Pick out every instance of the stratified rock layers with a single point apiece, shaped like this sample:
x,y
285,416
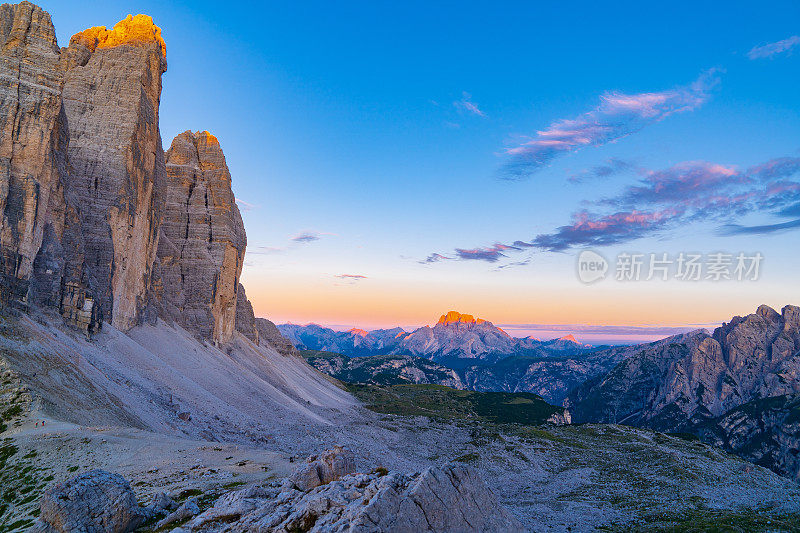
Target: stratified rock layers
x,y
202,241
30,135
111,98
86,194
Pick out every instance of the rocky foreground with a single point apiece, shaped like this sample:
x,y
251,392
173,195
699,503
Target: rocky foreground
x,y
323,494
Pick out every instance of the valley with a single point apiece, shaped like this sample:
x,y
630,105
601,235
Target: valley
x,y
141,389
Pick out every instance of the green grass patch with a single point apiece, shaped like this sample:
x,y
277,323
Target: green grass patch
x,y
445,403
704,519
188,493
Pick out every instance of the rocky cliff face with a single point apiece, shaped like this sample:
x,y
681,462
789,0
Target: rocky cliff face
x,y
764,431
95,221
268,333
245,318
111,95
737,388
202,239
82,177
460,336
31,141
699,376
550,377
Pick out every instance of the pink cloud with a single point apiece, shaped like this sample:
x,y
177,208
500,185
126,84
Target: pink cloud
x,y
773,49
616,116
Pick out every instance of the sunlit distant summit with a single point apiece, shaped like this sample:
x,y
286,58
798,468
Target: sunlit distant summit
x,y
454,317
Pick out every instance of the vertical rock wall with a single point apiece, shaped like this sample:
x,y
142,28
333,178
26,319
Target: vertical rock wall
x,y
86,191
30,141
202,244
111,95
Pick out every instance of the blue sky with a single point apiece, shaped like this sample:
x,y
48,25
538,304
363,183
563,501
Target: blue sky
x,y
384,130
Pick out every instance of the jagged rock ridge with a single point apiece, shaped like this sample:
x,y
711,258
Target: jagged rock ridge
x,y
202,244
384,369
717,386
96,221
451,497
700,376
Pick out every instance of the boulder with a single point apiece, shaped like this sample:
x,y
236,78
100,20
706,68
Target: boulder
x,y
94,502
188,509
161,503
321,469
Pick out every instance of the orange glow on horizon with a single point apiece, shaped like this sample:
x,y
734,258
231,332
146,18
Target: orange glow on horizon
x,y
284,297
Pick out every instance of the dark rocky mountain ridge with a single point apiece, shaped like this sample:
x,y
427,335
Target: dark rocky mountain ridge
x,y
734,387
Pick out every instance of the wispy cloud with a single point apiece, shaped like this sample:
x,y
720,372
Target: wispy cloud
x,y
435,258
514,264
245,206
490,254
611,167
589,229
682,182
349,279
265,250
664,199
616,116
772,49
790,211
737,229
776,169
301,239
466,104
306,236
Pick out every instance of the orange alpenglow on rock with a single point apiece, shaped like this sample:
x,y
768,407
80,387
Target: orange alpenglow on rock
x,y
210,138
131,30
359,332
454,317
569,338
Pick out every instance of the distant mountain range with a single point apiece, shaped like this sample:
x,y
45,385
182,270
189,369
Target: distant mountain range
x,y
737,388
456,340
